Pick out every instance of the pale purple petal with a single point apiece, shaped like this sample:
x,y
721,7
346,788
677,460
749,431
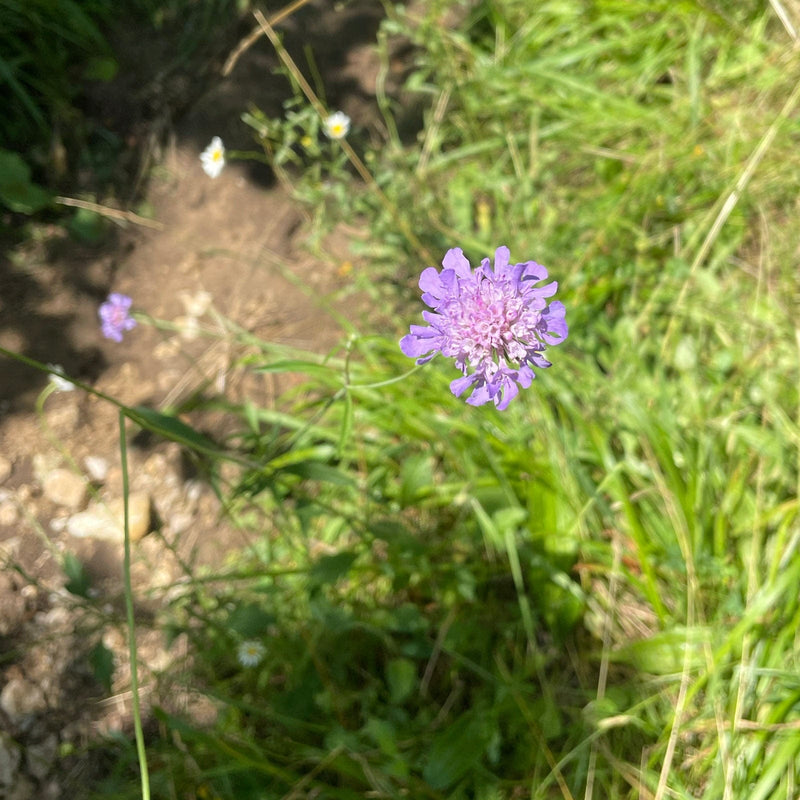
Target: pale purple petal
x,y
460,385
502,257
429,281
456,260
115,316
495,324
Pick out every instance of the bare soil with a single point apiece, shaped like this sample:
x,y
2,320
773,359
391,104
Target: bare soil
x,y
234,238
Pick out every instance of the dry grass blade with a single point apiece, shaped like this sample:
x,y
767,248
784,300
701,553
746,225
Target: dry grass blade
x,y
257,32
111,213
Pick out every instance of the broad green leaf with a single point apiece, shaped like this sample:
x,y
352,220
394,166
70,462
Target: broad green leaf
x,y
250,620
455,750
667,652
329,569
17,191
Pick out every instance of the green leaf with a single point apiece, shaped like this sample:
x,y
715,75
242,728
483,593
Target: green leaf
x,y
17,191
86,226
102,661
172,428
250,620
329,569
346,431
455,750
100,68
416,475
666,652
383,733
78,582
297,365
401,676
314,471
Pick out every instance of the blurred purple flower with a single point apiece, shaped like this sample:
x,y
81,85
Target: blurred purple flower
x,y
115,316
494,322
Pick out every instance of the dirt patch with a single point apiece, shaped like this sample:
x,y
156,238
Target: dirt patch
x,y
235,241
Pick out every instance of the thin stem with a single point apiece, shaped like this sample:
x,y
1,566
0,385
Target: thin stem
x,y
137,715
359,165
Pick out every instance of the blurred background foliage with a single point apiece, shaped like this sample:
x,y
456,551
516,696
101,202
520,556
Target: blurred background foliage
x,y
53,53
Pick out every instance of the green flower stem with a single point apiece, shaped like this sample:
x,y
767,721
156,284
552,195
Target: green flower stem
x,y
137,715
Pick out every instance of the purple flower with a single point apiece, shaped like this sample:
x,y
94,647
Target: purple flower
x,y
115,316
494,322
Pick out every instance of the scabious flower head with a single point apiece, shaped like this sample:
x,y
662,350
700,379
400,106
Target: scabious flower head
x,y
250,653
213,158
337,125
115,316
495,323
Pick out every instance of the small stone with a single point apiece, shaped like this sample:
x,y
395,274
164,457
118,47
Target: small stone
x,y
43,464
97,467
12,609
179,522
106,522
9,514
20,698
23,790
64,417
57,524
138,514
65,488
95,523
5,469
40,757
10,756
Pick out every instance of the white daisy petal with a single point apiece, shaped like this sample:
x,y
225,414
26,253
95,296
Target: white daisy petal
x,y
250,653
213,158
337,125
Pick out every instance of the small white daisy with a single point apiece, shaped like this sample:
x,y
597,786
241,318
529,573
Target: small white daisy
x,y
250,653
213,158
337,126
61,383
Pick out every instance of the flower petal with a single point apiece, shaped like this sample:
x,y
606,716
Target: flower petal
x,y
460,385
502,257
456,260
430,282
415,346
